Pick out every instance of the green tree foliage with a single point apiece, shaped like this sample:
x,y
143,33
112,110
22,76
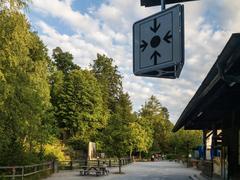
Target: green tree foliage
x,y
124,108
140,139
77,98
39,97
25,93
156,118
152,132
162,132
117,133
151,109
183,141
80,108
63,60
13,5
109,79
116,139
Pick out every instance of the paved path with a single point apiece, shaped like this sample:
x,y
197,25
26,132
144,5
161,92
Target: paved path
x,y
162,170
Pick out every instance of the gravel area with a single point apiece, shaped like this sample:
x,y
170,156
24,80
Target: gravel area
x,y
162,170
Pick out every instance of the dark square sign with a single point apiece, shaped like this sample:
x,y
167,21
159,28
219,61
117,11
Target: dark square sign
x,y
158,44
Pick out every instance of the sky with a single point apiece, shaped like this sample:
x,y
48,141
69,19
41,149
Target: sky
x,y
87,27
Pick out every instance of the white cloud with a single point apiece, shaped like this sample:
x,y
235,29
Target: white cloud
x,y
82,51
108,29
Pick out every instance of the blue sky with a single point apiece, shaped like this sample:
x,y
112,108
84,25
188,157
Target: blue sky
x,y
88,27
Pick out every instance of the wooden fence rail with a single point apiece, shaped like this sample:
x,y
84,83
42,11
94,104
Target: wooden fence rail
x,y
76,164
20,172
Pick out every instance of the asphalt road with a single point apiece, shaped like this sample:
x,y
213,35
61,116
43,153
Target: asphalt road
x,y
162,170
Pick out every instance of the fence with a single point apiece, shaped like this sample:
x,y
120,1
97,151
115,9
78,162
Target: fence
x,y
19,172
76,164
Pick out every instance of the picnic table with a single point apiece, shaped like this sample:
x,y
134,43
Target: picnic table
x,y
93,170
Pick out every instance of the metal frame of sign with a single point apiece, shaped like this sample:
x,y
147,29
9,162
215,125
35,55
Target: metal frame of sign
x,y
168,70
150,3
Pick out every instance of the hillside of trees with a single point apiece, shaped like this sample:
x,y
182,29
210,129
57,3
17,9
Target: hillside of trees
x,y
48,104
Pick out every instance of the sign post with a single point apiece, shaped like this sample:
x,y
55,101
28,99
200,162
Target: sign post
x,y
163,5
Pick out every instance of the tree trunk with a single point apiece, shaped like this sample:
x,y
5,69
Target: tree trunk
x,y
130,153
140,155
120,165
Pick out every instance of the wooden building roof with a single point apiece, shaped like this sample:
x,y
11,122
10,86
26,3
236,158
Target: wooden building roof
x,y
219,93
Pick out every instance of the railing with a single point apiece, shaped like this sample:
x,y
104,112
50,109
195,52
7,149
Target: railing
x,y
19,172
76,164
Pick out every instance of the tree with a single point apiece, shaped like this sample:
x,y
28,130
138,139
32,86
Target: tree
x,y
61,66
151,108
183,141
63,60
13,5
116,139
117,133
162,133
25,92
156,117
109,79
140,139
79,107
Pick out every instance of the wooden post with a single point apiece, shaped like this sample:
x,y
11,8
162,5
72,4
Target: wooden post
x,y
13,172
233,168
120,166
35,169
55,166
110,163
204,144
22,172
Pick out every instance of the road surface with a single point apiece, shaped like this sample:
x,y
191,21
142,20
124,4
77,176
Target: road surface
x,y
162,170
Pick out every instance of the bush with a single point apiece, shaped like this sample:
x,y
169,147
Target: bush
x,y
54,151
172,156
77,143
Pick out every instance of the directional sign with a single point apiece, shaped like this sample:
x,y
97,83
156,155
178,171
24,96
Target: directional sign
x,y
158,44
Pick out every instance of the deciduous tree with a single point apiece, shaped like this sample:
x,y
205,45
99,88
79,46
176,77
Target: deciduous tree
x,y
25,93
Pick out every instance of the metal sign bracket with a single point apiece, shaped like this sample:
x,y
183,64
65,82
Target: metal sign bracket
x,y
163,5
